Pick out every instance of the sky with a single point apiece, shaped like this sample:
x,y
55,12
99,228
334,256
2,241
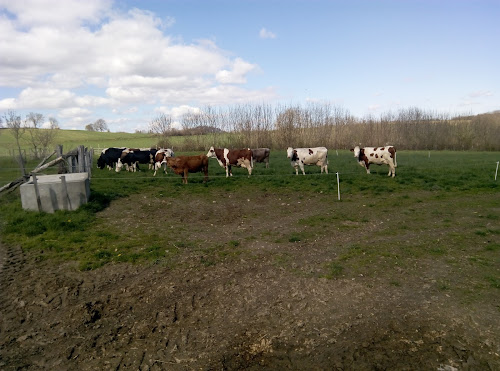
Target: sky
x,y
128,61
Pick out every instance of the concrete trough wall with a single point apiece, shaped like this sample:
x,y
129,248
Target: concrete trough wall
x,y
56,192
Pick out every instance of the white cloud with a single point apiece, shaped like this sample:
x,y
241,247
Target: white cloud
x,y
266,34
88,54
237,74
179,111
32,13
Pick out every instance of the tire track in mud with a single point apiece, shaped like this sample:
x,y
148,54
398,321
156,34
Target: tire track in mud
x,y
11,264
12,261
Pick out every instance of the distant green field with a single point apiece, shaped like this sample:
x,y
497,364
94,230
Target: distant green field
x,y
73,138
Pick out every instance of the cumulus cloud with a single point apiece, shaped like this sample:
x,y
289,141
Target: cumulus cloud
x,y
90,55
33,13
266,34
237,74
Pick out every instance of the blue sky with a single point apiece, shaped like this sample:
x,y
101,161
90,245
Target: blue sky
x,y
129,61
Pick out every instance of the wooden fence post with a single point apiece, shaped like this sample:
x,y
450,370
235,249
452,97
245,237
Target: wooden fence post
x,y
80,159
62,167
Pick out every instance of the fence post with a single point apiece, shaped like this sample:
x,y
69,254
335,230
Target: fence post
x,y
496,171
61,167
338,186
88,161
64,187
37,192
81,159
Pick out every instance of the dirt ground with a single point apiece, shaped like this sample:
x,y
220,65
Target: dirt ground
x,y
266,308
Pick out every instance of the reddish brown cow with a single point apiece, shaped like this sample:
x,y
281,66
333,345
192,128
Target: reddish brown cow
x,y
183,165
230,157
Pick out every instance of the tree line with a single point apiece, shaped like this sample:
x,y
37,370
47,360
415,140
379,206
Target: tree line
x,y
281,126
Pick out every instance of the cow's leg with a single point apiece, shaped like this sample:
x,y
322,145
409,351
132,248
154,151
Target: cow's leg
x,y
301,164
248,165
392,170
157,166
367,167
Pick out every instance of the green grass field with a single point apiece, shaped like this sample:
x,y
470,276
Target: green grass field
x,y
441,179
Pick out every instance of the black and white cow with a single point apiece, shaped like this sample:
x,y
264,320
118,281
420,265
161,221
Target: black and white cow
x,y
376,155
308,156
261,155
133,157
109,157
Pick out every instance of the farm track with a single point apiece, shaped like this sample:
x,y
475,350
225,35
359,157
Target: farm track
x,y
267,307
238,316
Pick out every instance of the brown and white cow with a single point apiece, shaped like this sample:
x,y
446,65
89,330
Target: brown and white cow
x,y
261,155
376,155
182,165
232,157
161,159
308,156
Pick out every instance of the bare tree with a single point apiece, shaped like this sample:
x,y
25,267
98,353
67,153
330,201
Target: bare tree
x,y
47,136
14,123
161,124
100,125
89,127
33,123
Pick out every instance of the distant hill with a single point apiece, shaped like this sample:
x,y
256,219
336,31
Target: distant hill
x,y
199,130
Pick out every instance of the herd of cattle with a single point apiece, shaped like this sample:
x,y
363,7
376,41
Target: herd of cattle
x,y
130,158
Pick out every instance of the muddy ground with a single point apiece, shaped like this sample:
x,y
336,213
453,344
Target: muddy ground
x,y
268,307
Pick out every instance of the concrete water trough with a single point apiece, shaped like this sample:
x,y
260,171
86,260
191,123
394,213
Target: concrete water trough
x,y
49,193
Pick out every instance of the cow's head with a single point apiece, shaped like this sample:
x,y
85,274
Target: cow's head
x,y
356,151
119,166
100,163
289,152
211,152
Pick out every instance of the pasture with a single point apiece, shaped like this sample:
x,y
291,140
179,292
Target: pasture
x,y
270,271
